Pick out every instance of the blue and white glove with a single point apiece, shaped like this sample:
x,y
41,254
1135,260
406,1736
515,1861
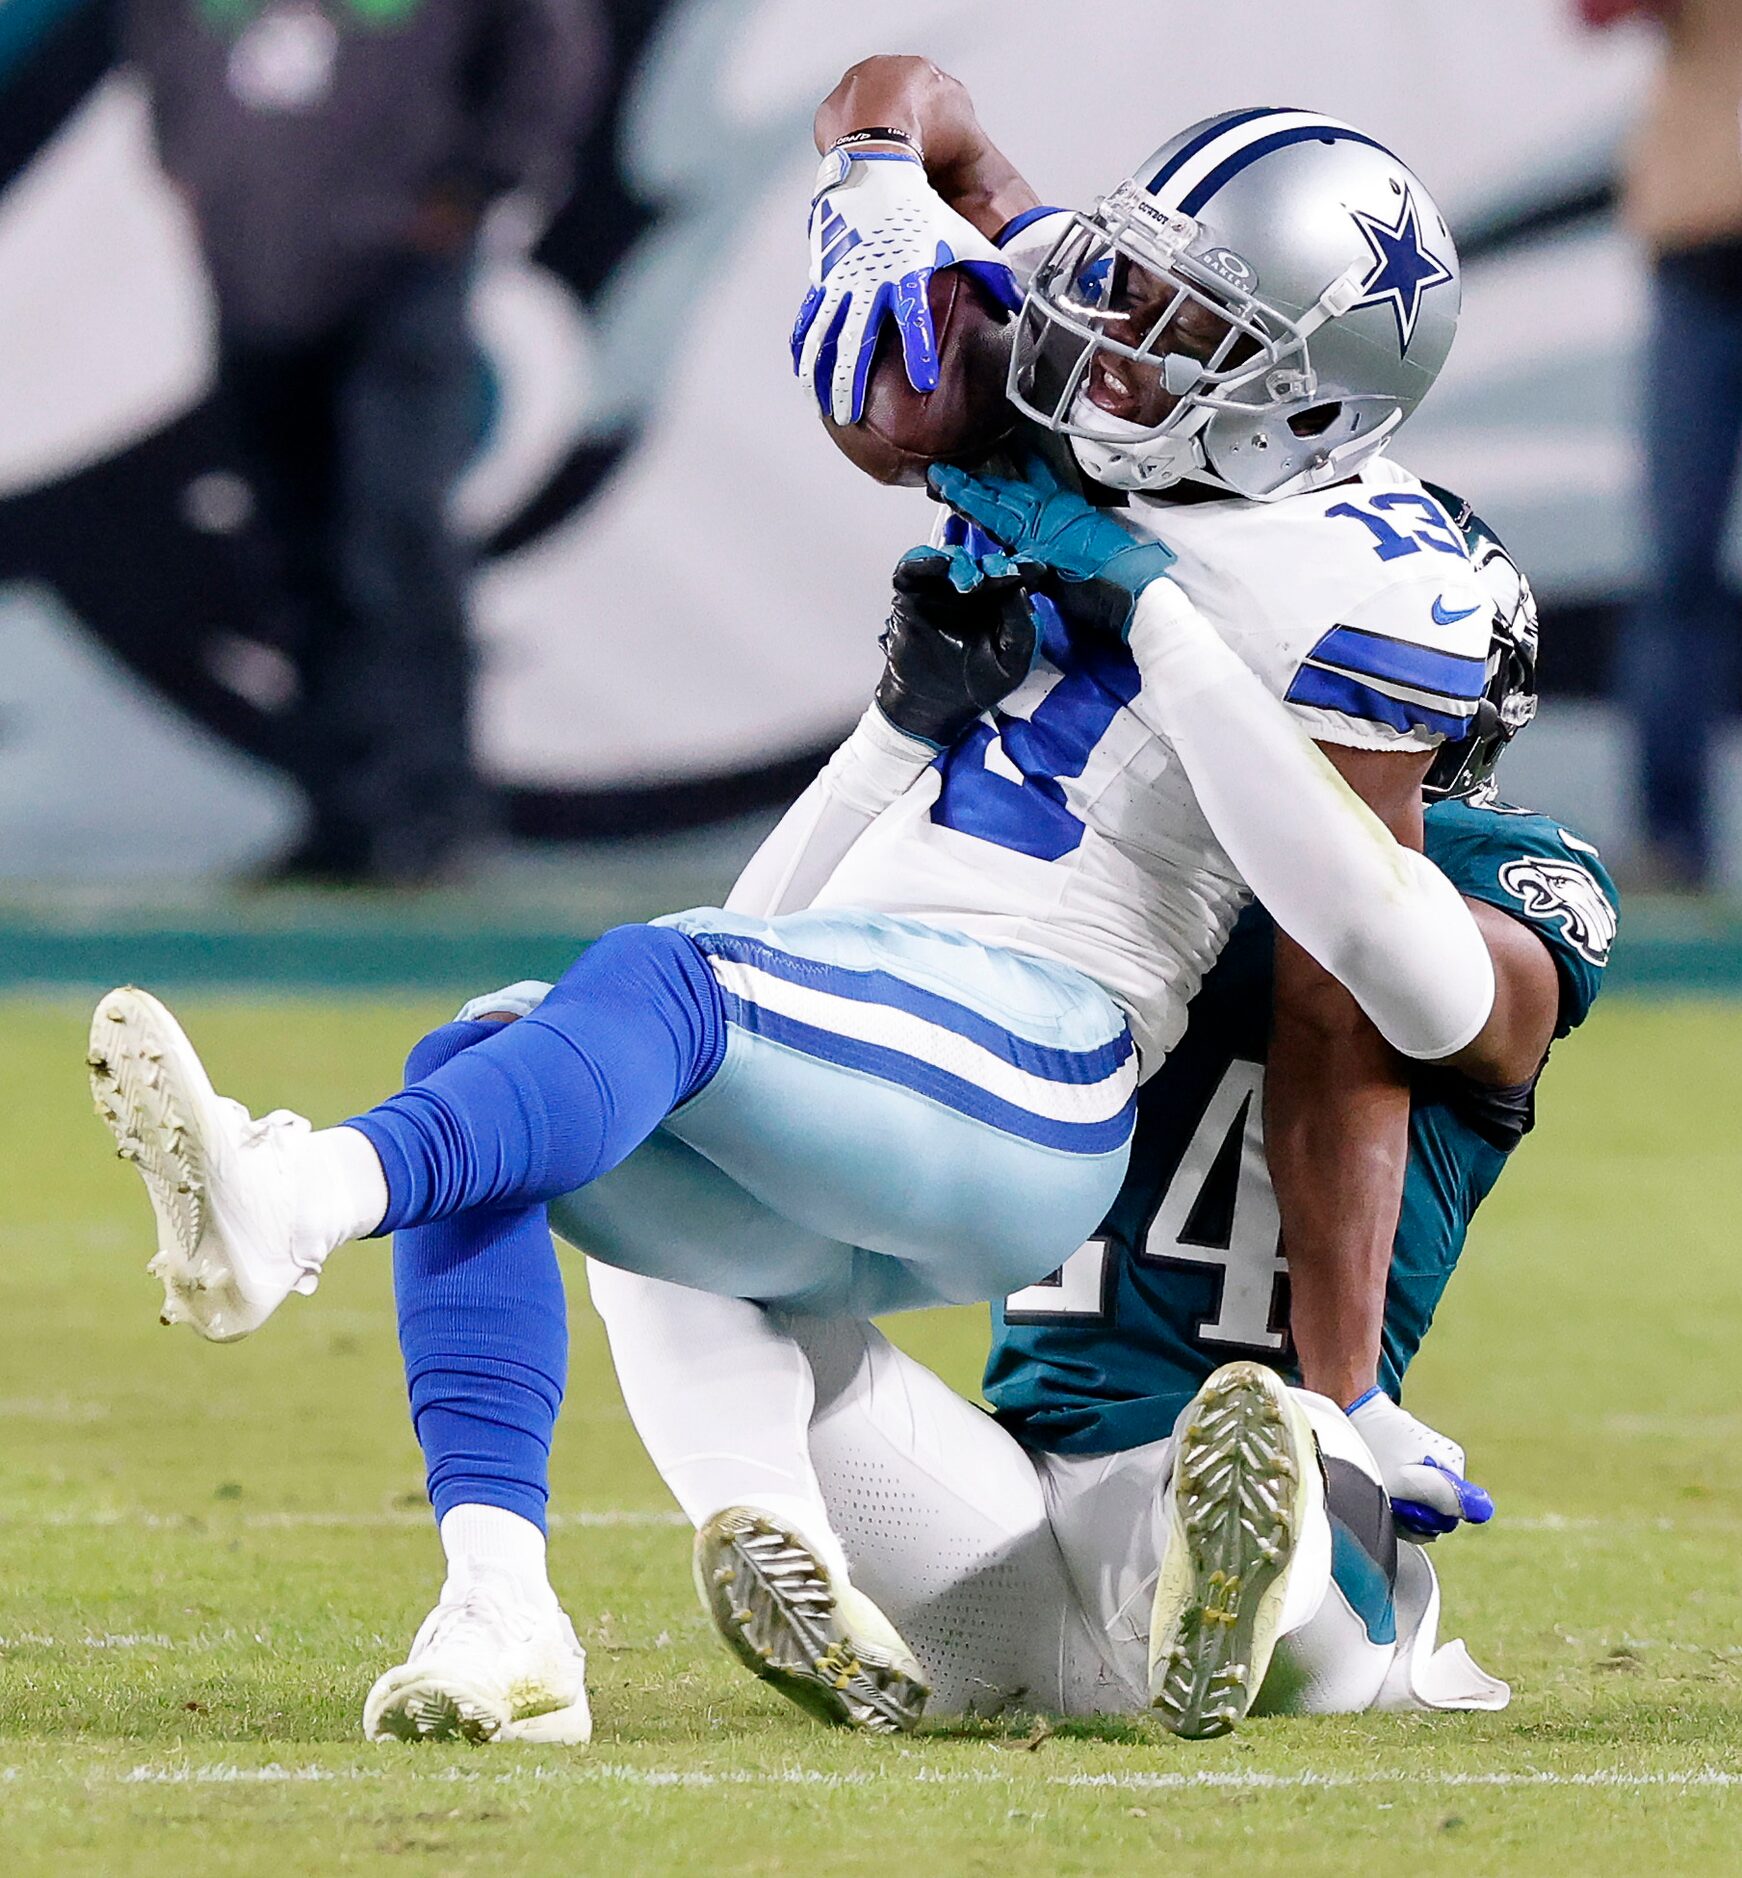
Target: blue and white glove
x,y
1423,1471
879,231
1101,567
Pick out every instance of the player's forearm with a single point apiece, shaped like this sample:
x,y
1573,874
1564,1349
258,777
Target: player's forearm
x,y
1380,918
1336,1130
874,766
894,91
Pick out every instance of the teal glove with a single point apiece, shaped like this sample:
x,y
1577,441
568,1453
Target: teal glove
x,y
1101,565
964,570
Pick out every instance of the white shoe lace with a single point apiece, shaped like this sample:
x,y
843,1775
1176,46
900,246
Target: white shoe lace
x,y
483,1605
251,1130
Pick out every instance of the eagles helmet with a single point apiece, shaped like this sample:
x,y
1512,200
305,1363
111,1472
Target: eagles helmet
x,y
1508,702
1331,287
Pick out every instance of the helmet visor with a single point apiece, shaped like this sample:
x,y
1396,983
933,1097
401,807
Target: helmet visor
x,y
1119,341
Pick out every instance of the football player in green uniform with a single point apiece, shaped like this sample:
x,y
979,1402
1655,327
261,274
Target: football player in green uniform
x,y
1154,1516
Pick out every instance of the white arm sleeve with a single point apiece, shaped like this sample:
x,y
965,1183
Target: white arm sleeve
x,y
874,766
1379,917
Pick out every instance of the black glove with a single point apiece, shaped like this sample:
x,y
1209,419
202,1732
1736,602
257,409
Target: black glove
x,y
961,637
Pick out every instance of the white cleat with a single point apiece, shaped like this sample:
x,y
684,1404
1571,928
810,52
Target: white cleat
x,y
486,1666
1246,1480
230,1250
824,1645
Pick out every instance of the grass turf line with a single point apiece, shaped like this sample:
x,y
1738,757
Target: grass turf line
x,y
206,1555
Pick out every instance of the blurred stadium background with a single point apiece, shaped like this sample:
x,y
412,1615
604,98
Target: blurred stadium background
x,y
680,584
680,590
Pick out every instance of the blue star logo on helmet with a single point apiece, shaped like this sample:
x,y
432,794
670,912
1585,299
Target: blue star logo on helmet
x,y
1403,269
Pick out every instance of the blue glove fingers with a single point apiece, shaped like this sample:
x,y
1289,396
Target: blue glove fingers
x,y
998,281
868,349
807,314
919,341
1475,1504
965,573
925,560
823,373
948,483
1425,1522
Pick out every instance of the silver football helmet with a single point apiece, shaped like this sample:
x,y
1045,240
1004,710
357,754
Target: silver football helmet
x,y
1257,308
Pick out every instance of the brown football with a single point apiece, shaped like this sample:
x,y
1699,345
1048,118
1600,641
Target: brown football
x,y
904,431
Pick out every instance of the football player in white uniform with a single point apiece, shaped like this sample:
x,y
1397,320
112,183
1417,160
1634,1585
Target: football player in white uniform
x,y
1076,1556
930,1070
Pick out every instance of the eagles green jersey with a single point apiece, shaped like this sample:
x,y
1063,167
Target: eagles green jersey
x,y
1187,1271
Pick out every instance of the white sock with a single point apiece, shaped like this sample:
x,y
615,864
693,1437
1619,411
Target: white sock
x,y
342,1184
721,1397
490,1538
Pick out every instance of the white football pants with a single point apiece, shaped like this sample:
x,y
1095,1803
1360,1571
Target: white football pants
x,y
1020,1579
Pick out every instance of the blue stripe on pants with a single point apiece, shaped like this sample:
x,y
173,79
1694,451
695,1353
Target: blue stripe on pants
x,y
898,993
927,1079
863,1115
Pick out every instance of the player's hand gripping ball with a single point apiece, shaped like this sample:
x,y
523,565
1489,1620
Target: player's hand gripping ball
x,y
903,338
904,432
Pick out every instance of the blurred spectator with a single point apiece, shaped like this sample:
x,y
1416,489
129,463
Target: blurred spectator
x,y
337,157
1683,196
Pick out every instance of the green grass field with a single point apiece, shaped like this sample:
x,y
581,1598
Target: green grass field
x,y
207,1554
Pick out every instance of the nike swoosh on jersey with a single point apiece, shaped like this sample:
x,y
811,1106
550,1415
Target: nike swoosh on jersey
x,y
1444,616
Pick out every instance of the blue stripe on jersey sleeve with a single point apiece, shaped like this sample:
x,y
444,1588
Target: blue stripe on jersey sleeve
x,y
961,534
1401,662
1337,691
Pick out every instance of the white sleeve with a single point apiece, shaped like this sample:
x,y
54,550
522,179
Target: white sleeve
x,y
1405,668
871,769
1378,916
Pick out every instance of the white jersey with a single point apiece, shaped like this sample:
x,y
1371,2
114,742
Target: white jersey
x,y
1061,825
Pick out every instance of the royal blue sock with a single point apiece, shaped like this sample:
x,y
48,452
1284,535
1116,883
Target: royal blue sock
x,y
545,1105
483,1327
